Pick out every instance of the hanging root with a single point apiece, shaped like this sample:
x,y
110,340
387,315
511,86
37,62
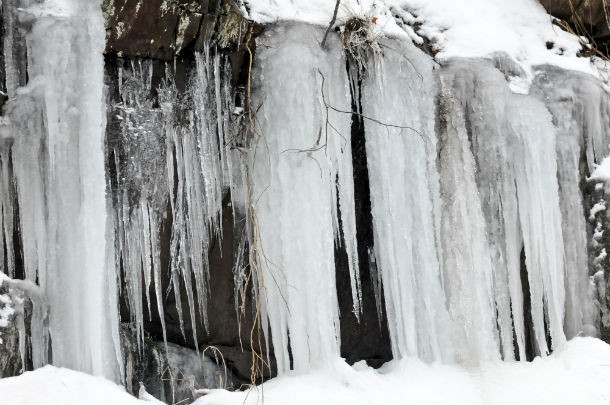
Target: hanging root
x,y
252,265
360,39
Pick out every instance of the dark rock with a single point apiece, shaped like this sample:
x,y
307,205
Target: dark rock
x,y
170,373
157,29
228,330
145,363
17,303
163,29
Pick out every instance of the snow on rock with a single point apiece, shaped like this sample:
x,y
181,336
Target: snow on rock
x,y
6,311
60,386
597,208
465,28
602,172
577,375
478,28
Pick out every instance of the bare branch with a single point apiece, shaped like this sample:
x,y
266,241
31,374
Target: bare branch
x,y
332,22
328,106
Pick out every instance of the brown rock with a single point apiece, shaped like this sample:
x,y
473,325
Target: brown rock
x,y
157,29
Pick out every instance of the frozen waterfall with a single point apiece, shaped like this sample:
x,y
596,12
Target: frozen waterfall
x,y
113,186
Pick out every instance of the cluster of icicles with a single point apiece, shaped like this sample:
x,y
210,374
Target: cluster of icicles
x,y
466,178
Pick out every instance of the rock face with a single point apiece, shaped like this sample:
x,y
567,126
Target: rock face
x,y
164,29
154,28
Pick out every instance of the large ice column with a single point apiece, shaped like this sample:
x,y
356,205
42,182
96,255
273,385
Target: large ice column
x,y
398,101
580,109
513,141
58,122
466,262
496,187
298,160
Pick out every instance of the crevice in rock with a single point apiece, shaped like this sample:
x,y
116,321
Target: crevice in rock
x,y
368,339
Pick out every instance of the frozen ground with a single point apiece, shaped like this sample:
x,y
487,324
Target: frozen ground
x,y
59,386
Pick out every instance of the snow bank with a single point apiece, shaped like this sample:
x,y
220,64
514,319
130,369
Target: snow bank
x,y
465,28
59,386
578,375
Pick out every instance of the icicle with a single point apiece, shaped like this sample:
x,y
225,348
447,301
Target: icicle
x,y
7,211
496,186
295,164
540,217
142,190
207,124
467,268
399,97
58,162
337,133
178,141
578,105
514,145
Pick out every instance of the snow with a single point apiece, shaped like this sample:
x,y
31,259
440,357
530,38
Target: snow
x,y
577,375
6,311
60,386
602,172
597,208
457,28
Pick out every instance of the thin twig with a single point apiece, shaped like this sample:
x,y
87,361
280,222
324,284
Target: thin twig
x,y
330,25
362,115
